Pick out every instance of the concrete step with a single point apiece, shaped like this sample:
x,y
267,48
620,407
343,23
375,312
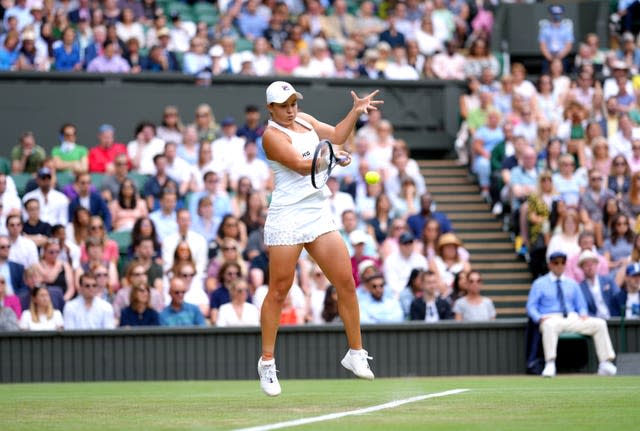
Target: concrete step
x,y
514,277
490,287
498,266
511,312
490,236
440,164
474,226
454,190
467,216
433,180
465,206
494,257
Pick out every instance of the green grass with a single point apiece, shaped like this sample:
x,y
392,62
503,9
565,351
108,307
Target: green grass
x,y
567,403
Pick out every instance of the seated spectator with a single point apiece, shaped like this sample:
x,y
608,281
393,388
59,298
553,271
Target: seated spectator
x,y
378,307
451,259
231,271
145,228
593,200
412,291
70,156
69,251
565,236
587,242
255,207
78,230
567,182
473,307
398,265
143,149
97,230
418,221
158,182
197,243
88,310
27,157
238,312
143,255
617,248
601,293
23,250
449,64
110,61
92,200
629,297
359,241
35,229
66,53
196,59
480,58
102,157
428,43
10,301
557,305
94,247
484,140
619,180
41,316
164,218
180,170
8,320
127,208
139,311
56,273
379,226
110,187
136,276
428,306
171,128
330,307
232,227
178,312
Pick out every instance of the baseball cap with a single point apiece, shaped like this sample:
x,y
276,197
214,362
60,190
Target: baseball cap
x,y
164,31
280,91
216,51
557,255
106,128
357,237
633,269
556,9
587,255
406,238
44,172
228,121
366,264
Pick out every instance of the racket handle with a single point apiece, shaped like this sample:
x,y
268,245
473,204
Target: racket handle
x,y
341,160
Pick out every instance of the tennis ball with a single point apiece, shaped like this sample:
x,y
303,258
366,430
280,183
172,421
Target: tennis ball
x,y
372,177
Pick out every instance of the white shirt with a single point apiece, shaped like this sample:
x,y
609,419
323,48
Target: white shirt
x,y
10,201
256,170
397,269
44,324
54,207
227,315
98,316
632,299
180,170
431,312
24,251
602,310
229,150
338,204
619,144
197,244
401,71
149,150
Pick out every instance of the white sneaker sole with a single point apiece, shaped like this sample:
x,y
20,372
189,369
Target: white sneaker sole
x,y
345,363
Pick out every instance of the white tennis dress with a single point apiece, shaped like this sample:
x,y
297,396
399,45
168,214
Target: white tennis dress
x,y
298,212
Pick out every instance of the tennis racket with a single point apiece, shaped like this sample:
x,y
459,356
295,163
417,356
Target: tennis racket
x,y
324,160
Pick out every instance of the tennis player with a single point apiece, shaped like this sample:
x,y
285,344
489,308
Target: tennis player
x,y
299,218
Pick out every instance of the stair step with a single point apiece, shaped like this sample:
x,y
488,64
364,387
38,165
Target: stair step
x,y
468,216
509,298
488,247
440,164
433,180
494,257
511,312
497,265
506,276
461,207
473,226
492,236
504,285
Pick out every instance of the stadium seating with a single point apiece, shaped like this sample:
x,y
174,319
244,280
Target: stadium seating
x,y
21,181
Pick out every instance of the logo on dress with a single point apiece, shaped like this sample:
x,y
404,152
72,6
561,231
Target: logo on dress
x,y
306,153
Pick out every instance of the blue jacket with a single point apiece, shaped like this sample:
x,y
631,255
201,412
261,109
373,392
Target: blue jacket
x,y
16,271
97,206
610,293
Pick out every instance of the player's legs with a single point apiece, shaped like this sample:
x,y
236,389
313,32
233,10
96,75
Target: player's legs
x,y
282,265
331,254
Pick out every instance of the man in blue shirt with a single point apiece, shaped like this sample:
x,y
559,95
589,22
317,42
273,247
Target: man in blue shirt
x,y
555,36
178,312
557,305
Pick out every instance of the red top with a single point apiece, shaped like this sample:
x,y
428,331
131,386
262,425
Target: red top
x,y
100,157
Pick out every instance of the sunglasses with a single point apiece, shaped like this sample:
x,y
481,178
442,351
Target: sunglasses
x,y
558,262
187,274
377,286
138,274
179,292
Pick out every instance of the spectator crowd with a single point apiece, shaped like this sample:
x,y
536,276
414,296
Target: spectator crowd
x,y
405,40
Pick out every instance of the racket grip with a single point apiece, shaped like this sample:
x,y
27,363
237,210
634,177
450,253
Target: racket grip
x,y
341,160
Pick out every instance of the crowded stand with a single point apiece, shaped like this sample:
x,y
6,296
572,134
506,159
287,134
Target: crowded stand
x,y
163,224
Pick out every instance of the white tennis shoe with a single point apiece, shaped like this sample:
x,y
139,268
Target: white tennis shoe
x,y
268,378
356,362
606,368
549,369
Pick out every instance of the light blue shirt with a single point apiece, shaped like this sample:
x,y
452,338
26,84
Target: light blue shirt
x,y
388,310
188,315
221,205
4,270
166,225
556,37
489,137
543,297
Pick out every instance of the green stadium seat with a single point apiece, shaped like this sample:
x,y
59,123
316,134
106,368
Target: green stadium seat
x,y
202,8
139,179
64,177
185,11
123,239
21,181
5,166
243,44
96,179
209,19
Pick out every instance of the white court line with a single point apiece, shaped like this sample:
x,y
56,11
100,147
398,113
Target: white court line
x,y
332,416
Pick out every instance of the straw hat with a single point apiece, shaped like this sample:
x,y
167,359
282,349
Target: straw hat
x,y
448,238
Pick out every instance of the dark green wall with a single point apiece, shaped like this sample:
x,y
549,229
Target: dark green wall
x,y
424,113
411,349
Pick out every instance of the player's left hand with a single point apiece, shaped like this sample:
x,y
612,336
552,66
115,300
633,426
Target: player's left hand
x,y
367,103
